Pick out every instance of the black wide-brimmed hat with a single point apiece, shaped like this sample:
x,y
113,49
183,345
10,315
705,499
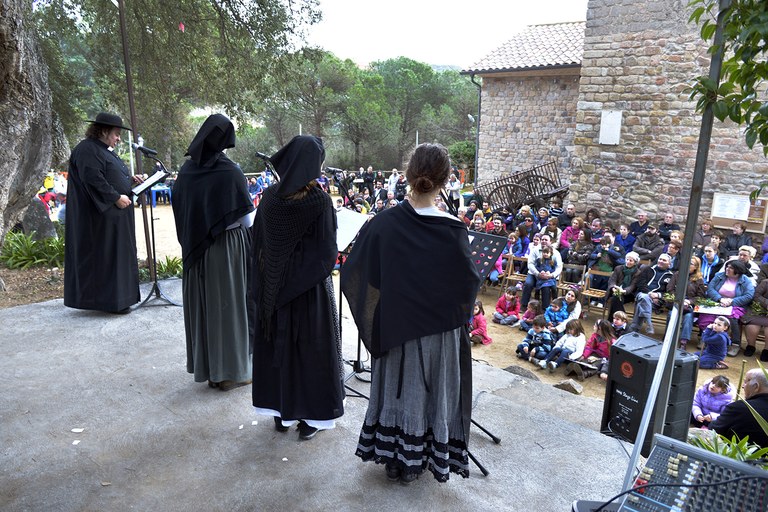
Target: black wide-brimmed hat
x,y
108,119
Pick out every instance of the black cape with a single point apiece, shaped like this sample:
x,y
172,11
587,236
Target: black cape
x,y
297,163
101,271
408,276
210,192
282,221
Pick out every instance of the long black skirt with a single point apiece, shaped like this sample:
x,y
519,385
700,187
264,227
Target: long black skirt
x,y
419,412
298,371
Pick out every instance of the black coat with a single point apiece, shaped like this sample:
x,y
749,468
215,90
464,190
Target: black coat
x,y
736,419
100,259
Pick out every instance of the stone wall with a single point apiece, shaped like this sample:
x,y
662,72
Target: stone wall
x,y
640,57
525,121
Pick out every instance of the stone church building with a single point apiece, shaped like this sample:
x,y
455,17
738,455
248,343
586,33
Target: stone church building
x,y
607,99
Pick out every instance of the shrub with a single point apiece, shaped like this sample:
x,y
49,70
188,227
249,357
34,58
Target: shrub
x,y
22,251
171,266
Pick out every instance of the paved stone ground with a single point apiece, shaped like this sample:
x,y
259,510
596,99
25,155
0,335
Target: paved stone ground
x,y
155,440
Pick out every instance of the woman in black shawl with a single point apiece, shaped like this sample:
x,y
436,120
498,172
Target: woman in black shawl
x,y
297,365
411,284
212,209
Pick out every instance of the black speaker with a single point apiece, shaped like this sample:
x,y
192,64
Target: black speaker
x,y
633,362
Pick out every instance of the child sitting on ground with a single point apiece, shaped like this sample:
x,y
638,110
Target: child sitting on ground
x,y
507,308
556,313
478,327
532,311
710,400
619,324
716,342
537,343
569,347
596,353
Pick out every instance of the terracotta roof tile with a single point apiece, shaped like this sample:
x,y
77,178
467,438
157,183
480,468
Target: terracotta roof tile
x,y
537,46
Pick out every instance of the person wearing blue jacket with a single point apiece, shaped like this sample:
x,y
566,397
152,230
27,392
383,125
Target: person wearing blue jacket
x,y
731,288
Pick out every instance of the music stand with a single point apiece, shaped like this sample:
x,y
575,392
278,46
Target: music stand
x,y
349,225
140,192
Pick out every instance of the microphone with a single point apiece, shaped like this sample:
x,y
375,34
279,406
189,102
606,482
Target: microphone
x,y
262,156
146,151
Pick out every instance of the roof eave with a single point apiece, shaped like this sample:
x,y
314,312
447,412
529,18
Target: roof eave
x,y
514,71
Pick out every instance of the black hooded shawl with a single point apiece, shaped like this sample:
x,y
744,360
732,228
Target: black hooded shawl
x,y
210,192
409,276
282,222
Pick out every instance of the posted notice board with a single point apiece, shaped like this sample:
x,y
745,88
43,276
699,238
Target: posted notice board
x,y
729,208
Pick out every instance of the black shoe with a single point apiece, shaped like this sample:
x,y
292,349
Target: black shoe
x,y
306,432
407,478
749,351
764,355
393,472
279,424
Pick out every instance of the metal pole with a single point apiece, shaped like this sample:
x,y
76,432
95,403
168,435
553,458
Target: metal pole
x,y
664,372
135,126
477,127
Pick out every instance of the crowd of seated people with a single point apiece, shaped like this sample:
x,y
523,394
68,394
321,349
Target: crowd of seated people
x,y
641,255
643,258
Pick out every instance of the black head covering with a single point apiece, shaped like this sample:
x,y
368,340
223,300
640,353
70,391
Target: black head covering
x,y
282,220
297,163
107,119
739,267
215,135
210,192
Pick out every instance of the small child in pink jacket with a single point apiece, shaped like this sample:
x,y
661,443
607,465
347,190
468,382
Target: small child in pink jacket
x,y
478,327
507,308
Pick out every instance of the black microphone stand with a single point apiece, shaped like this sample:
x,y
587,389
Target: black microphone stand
x,y
358,367
155,293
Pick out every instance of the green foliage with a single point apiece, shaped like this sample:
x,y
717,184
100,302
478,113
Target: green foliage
x,y
53,251
734,448
221,57
23,251
463,155
236,56
740,96
409,86
251,139
171,266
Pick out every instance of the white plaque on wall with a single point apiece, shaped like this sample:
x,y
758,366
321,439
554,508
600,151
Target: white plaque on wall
x,y
730,206
610,127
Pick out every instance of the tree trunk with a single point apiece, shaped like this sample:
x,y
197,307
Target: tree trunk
x,y
26,120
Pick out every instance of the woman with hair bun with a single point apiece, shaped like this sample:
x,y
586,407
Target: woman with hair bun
x,y
411,284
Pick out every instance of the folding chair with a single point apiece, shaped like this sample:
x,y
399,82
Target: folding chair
x,y
564,284
511,276
591,293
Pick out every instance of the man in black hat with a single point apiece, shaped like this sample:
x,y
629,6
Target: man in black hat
x,y
100,259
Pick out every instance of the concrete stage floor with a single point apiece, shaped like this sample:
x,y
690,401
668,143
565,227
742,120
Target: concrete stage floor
x,y
155,440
